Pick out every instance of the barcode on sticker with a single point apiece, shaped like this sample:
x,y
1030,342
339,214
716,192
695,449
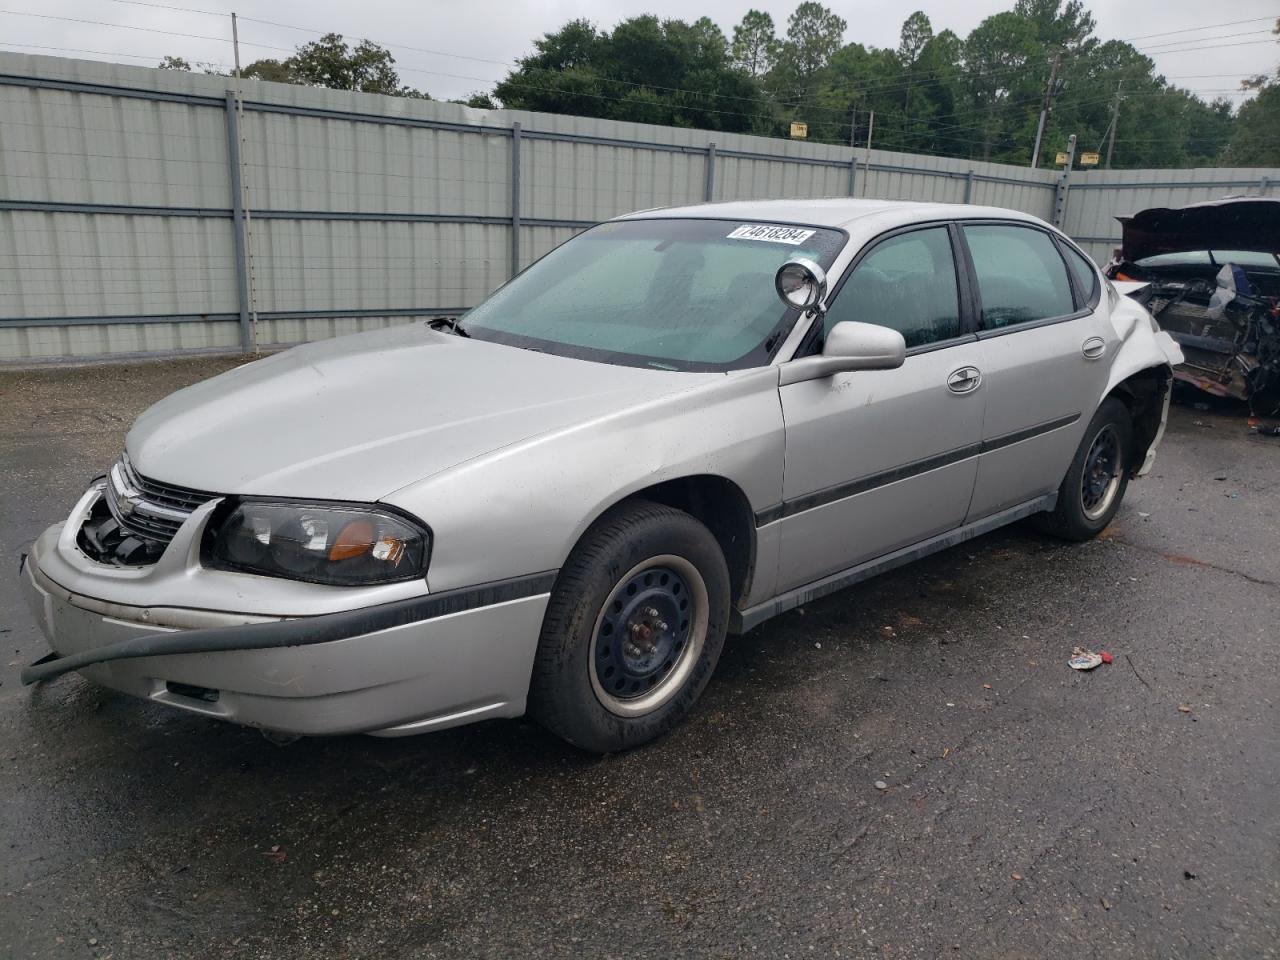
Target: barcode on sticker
x,y
770,234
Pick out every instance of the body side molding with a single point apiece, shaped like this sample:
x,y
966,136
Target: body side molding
x,y
740,621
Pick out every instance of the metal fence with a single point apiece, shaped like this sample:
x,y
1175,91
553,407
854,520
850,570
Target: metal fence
x,y
140,213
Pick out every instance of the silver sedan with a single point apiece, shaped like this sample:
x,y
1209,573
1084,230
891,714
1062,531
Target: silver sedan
x,y
674,426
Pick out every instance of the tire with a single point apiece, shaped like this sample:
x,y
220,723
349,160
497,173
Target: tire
x,y
633,630
1098,476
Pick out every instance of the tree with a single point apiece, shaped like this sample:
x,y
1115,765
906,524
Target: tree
x,y
275,71
327,62
978,96
916,32
1061,29
755,46
814,34
331,62
183,64
1003,66
1256,142
647,70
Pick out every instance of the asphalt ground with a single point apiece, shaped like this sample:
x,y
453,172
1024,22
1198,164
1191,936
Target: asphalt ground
x,y
1030,810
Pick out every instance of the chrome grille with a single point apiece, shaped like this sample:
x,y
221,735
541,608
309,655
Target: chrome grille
x,y
148,508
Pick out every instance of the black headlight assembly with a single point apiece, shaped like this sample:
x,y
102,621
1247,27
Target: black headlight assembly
x,y
340,544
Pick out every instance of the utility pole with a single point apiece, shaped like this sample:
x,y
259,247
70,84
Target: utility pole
x,y
853,126
1044,110
244,191
1064,181
1115,122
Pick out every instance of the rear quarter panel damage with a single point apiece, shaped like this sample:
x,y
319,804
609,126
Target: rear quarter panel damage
x,y
1141,373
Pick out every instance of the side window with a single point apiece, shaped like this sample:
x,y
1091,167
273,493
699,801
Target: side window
x,y
907,282
1086,275
1021,277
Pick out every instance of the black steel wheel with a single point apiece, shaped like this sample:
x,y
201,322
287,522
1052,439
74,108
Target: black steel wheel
x,y
648,636
633,629
1095,483
1103,469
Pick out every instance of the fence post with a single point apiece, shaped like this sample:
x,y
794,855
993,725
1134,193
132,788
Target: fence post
x,y
853,175
515,197
709,189
237,223
968,187
1064,182
1263,186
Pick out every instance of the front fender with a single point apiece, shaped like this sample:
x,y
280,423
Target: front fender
x,y
523,507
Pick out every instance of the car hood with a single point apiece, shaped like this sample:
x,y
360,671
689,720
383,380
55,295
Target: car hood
x,y
1236,223
357,417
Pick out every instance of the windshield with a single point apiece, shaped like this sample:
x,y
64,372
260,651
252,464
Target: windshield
x,y
1245,258
671,294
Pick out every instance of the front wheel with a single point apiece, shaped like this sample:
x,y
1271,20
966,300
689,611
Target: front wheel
x,y
1096,481
633,630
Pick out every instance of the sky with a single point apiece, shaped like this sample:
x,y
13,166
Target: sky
x,y
452,48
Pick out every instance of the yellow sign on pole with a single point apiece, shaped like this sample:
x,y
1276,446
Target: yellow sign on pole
x,y
1060,160
1089,159
799,131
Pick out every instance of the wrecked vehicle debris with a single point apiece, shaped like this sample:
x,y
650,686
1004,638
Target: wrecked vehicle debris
x,y
1210,275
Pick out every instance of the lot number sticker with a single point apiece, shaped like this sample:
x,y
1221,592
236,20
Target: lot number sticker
x,y
770,234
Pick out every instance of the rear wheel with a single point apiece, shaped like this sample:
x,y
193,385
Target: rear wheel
x,y
1096,481
633,630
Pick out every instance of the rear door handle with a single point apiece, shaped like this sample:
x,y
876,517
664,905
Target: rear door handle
x,y
964,380
1093,348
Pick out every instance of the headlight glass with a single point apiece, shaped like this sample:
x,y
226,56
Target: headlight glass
x,y
337,544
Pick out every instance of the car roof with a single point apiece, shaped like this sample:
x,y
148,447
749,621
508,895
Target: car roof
x,y
843,212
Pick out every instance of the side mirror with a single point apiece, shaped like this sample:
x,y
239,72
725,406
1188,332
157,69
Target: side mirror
x,y
850,346
801,283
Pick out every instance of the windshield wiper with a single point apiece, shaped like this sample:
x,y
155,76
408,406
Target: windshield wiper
x,y
447,323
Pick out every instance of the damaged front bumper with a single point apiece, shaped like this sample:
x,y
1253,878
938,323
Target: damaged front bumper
x,y
406,665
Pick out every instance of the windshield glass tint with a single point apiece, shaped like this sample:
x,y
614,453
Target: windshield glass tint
x,y
672,294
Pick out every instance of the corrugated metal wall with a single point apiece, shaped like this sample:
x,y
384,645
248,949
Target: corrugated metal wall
x,y
118,226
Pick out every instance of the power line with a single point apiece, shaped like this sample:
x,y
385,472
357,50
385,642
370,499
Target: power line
x,y
130,26
1197,40
1243,43
869,90
1145,36
101,53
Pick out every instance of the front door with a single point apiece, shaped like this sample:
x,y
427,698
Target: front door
x,y
880,459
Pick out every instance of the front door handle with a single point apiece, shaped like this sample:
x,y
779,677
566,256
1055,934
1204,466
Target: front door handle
x,y
964,380
1093,348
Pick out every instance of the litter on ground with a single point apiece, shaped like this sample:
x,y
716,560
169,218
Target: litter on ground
x,y
1082,659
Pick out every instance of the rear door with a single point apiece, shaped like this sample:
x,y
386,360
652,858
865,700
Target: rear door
x,y
1045,347
880,459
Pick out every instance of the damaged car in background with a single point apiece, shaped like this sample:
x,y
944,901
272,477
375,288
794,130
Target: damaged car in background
x,y
1210,275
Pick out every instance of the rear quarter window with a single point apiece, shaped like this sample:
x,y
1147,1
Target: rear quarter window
x,y
1086,275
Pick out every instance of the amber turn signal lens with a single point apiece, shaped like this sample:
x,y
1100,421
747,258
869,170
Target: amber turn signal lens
x,y
355,540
